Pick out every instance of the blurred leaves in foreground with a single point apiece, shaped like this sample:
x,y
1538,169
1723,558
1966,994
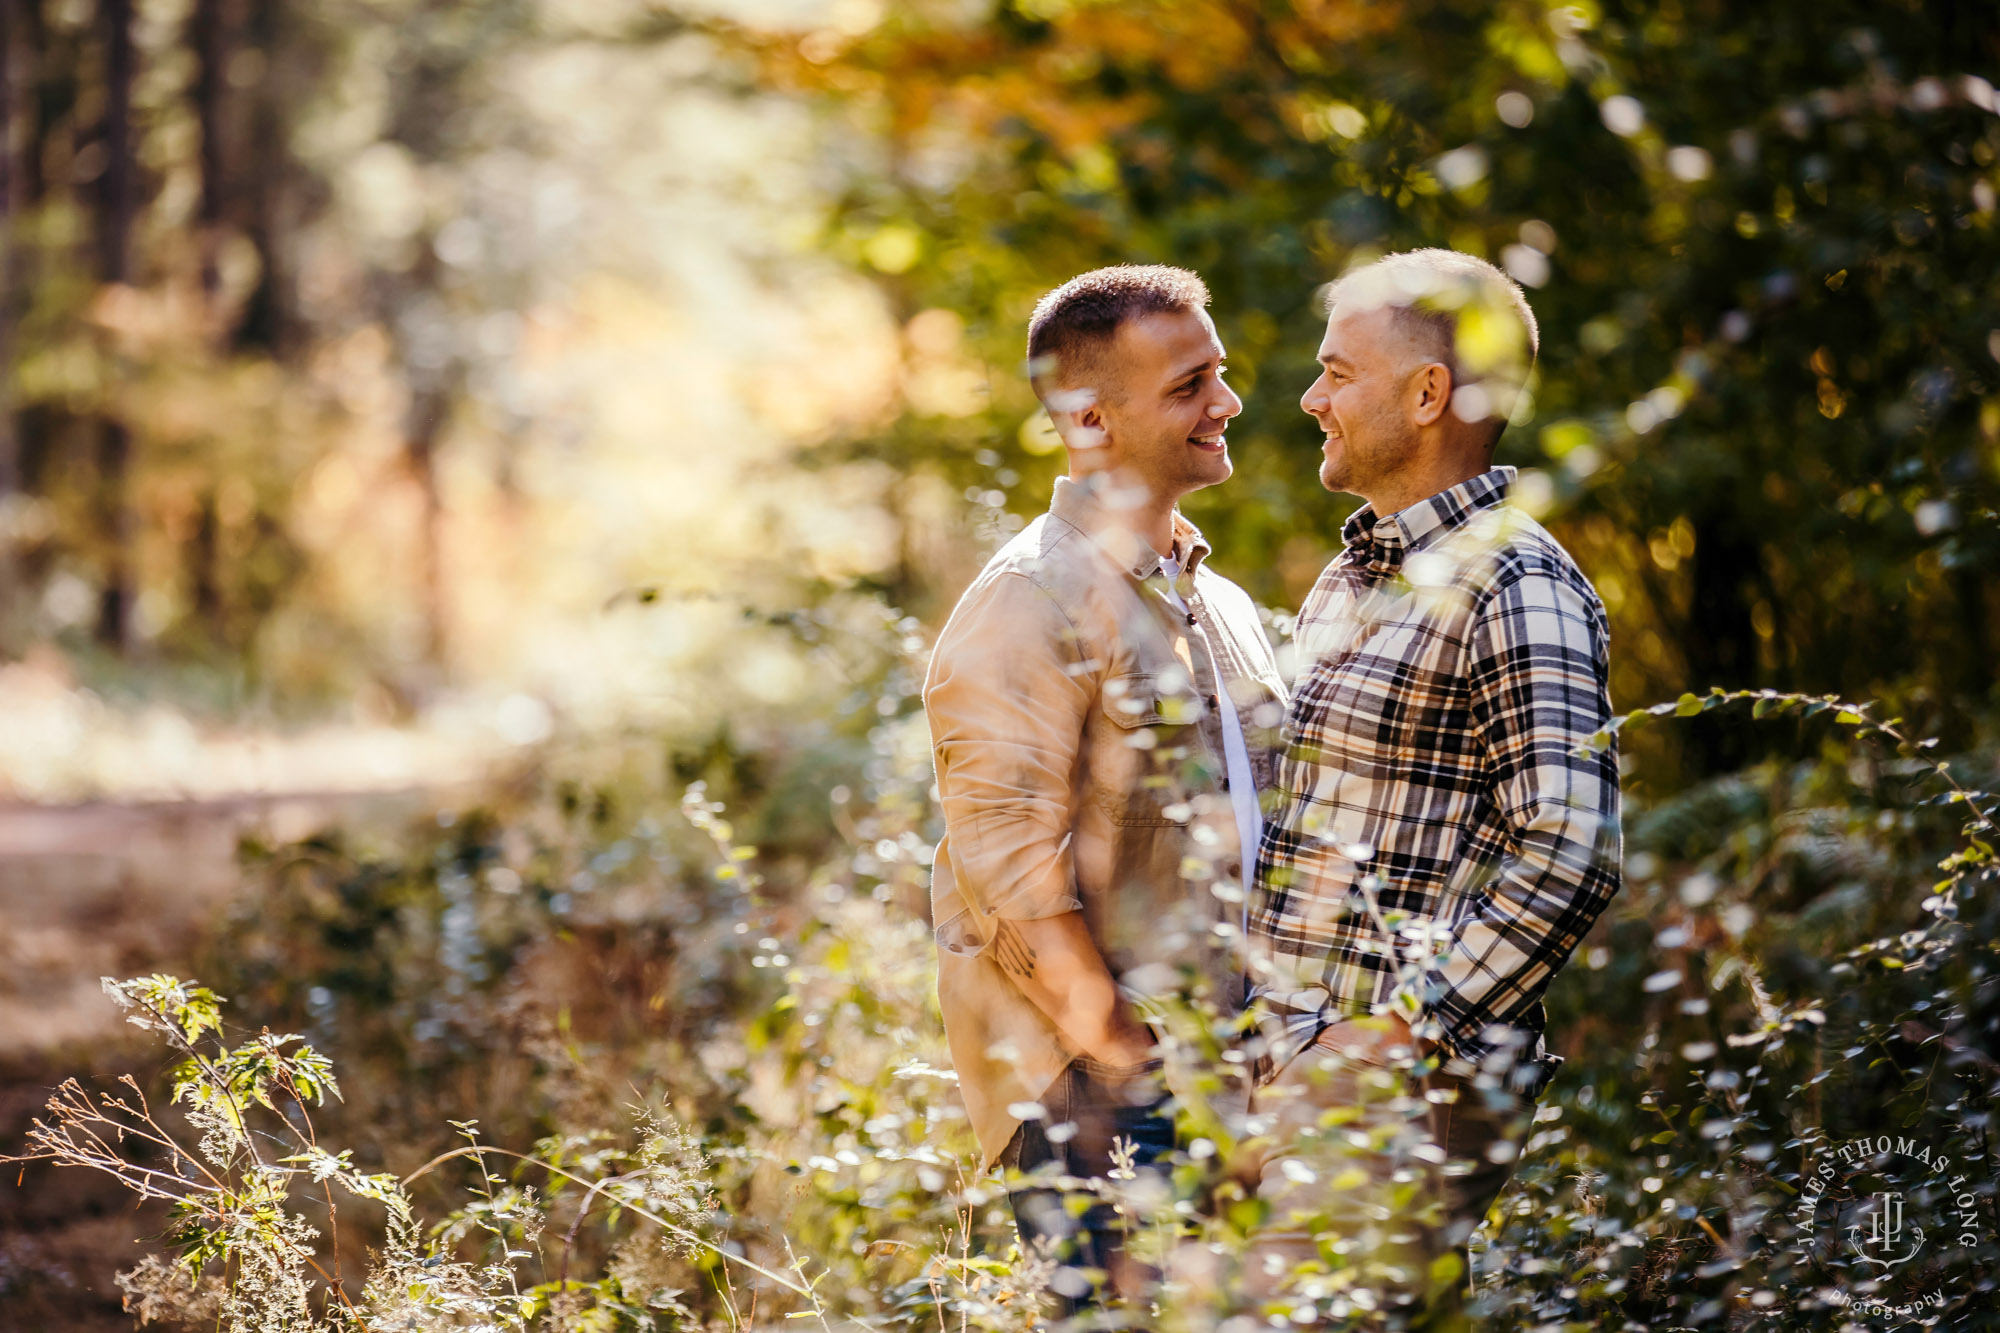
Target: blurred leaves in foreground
x,y
1789,971
647,378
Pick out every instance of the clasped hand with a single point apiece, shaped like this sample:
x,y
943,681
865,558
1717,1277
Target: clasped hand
x,y
1383,1039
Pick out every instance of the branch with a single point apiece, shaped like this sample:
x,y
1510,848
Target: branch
x,y
654,1218
1772,703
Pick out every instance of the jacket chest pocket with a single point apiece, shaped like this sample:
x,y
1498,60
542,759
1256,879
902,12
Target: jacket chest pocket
x,y
1140,699
1142,768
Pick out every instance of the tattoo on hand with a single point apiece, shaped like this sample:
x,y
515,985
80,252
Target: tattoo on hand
x,y
1012,951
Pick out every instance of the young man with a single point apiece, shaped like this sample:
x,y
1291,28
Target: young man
x,y
1102,706
1437,846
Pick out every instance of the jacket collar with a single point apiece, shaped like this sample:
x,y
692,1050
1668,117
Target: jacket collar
x,y
1380,545
1085,505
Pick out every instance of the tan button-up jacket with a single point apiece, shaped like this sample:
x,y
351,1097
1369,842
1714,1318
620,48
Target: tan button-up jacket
x,y
1074,719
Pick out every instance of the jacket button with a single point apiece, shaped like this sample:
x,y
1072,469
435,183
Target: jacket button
x,y
1212,702
1191,619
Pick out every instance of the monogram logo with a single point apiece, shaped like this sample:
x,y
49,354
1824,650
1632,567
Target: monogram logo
x,y
1885,1218
1885,1232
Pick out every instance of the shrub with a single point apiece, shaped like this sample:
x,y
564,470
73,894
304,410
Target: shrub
x,y
765,1129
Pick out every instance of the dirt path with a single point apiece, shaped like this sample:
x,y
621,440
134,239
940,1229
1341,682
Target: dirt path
x,y
106,889
95,890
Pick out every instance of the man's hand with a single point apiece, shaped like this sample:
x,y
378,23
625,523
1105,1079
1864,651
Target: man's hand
x,y
1055,963
1378,1039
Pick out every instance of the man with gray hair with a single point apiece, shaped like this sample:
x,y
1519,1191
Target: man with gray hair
x,y
1437,844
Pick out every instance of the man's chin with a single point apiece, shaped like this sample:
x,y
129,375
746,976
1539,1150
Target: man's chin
x,y
1215,472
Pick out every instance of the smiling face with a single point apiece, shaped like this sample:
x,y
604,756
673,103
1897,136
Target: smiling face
x,y
1363,400
1166,407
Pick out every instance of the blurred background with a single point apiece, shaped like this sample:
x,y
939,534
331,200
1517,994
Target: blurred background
x,y
534,406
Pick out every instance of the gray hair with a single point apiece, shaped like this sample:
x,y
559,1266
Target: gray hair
x,y
1466,313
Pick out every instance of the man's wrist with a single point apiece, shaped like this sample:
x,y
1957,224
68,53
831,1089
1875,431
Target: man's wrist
x,y
1129,1043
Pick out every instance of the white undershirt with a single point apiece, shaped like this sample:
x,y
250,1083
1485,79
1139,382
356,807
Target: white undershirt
x,y
1235,756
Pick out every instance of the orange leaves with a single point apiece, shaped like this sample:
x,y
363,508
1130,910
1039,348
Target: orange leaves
x,y
1192,44
1346,20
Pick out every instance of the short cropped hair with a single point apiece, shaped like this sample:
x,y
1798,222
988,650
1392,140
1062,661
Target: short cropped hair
x,y
1464,312
1073,325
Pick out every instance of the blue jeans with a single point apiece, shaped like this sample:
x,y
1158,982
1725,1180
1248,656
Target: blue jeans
x,y
1089,1107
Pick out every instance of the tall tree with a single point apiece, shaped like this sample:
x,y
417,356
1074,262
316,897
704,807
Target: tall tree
x,y
267,172
209,34
116,200
10,184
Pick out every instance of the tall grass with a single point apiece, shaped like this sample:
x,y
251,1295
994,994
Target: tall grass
x,y
595,1057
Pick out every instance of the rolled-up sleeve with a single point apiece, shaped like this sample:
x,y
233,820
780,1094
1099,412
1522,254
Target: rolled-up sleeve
x,y
1008,694
1538,694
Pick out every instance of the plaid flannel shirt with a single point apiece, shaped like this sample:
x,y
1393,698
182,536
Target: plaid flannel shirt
x,y
1437,847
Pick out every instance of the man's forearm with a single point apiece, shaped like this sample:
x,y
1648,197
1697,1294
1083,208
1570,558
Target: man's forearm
x,y
1056,964
1537,910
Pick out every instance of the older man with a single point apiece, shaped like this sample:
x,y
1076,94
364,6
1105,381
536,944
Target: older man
x,y
1437,846
1102,706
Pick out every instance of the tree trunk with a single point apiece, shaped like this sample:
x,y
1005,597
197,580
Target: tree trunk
x,y
115,187
11,70
1721,642
10,177
208,34
266,172
433,389
206,557
427,414
114,231
31,37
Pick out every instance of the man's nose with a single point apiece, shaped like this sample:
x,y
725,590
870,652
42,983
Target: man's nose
x,y
1230,406
1315,400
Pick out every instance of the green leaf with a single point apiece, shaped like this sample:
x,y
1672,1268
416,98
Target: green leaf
x,y
1688,705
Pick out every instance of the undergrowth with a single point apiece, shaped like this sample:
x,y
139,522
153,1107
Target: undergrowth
x,y
585,1059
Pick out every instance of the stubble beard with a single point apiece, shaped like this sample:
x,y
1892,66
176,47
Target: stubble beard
x,y
1198,471
1336,472
1364,463
1212,471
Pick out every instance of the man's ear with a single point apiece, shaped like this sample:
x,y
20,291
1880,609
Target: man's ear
x,y
1078,418
1430,393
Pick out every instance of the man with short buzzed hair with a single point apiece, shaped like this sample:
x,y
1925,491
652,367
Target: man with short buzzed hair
x,y
1102,708
1441,837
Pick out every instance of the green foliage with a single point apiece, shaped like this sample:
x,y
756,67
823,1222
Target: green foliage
x,y
1805,956
1765,421
1767,415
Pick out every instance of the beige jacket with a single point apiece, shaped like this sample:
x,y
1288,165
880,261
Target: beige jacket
x,y
1079,759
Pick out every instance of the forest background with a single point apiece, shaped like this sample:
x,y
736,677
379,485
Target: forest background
x,y
466,451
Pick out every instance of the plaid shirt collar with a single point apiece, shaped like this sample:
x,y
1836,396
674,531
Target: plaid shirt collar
x,y
1379,545
1088,506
